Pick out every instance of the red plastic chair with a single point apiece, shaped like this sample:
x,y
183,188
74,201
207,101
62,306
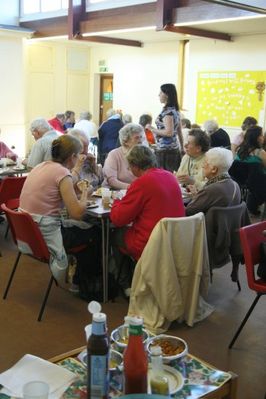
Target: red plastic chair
x,y
251,237
10,189
26,231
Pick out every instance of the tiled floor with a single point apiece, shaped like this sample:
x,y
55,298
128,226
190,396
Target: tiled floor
x,y
62,328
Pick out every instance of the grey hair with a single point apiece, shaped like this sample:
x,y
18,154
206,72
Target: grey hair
x,y
127,131
221,158
110,112
41,125
126,118
79,134
60,115
85,115
210,126
142,157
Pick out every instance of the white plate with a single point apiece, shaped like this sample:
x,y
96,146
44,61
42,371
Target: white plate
x,y
175,378
18,168
92,205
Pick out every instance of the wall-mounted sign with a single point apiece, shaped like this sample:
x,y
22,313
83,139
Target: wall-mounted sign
x,y
107,96
103,69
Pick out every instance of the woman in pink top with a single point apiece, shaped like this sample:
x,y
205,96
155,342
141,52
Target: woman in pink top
x,y
48,188
117,173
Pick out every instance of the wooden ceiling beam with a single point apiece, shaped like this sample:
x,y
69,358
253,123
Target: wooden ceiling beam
x,y
187,30
164,13
76,12
109,40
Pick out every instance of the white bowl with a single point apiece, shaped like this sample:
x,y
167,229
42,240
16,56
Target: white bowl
x,y
120,337
174,342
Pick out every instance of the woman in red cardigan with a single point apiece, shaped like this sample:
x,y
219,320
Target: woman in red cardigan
x,y
155,194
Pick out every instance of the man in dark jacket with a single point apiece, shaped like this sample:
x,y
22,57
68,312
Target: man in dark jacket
x,y
108,134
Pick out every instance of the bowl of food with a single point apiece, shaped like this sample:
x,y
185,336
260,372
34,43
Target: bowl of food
x,y
172,347
119,336
115,359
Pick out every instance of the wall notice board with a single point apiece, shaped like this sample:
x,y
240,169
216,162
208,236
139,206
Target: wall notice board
x,y
230,96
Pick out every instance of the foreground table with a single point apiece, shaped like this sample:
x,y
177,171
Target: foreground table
x,y
224,385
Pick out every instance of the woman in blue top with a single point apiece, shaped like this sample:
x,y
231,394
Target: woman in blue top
x,y
251,151
168,134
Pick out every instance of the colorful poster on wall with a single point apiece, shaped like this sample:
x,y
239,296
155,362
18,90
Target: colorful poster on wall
x,y
230,96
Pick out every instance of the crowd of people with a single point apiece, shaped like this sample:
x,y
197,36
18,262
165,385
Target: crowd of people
x,y
154,164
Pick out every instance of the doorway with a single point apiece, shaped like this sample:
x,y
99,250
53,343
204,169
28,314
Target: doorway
x,y
106,95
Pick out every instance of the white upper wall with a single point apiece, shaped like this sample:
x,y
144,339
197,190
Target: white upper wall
x,y
9,12
138,74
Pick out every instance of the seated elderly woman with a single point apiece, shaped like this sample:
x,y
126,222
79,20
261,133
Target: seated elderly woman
x,y
5,152
190,170
86,166
117,173
154,194
47,188
220,189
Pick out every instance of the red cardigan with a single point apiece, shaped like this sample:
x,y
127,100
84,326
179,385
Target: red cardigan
x,y
151,197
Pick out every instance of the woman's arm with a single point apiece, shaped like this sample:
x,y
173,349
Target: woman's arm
x,y
262,155
76,208
168,130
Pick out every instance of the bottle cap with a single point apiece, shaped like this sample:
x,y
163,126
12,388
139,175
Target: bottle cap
x,y
99,317
94,307
156,350
134,320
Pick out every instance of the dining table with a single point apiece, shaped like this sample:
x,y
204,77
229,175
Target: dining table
x,y
12,170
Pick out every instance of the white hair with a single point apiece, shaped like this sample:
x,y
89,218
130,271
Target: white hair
x,y
210,126
41,125
221,158
126,118
128,130
85,115
79,134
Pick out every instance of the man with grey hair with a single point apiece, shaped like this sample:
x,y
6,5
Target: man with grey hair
x,y
87,126
218,136
44,136
108,134
220,189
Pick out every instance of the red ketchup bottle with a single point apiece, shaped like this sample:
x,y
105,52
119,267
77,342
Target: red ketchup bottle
x,y
135,358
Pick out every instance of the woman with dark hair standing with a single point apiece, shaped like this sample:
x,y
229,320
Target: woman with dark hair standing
x,y
168,133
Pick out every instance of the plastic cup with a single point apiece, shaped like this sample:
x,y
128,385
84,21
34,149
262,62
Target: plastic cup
x,y
106,198
36,390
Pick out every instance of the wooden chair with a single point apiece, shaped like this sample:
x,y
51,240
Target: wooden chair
x,y
251,237
26,232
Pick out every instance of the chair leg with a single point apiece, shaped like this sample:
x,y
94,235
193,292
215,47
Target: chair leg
x,y
46,297
244,320
234,274
12,275
7,230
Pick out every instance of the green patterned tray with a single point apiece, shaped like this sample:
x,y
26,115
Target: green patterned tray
x,y
200,379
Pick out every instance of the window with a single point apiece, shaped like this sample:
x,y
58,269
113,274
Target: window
x,y
37,7
93,5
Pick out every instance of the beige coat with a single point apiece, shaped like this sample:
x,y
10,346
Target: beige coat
x,y
172,276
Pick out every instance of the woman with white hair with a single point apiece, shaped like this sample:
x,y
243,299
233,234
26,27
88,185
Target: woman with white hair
x,y
220,189
117,173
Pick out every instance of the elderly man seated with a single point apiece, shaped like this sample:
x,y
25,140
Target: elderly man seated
x,y
220,189
190,170
44,135
154,194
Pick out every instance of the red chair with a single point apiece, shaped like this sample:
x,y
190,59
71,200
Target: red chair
x,y
251,237
26,231
10,189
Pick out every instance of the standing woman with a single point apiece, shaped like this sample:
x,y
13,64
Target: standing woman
x,y
168,133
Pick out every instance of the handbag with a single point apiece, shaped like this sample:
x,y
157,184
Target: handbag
x,y
261,272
